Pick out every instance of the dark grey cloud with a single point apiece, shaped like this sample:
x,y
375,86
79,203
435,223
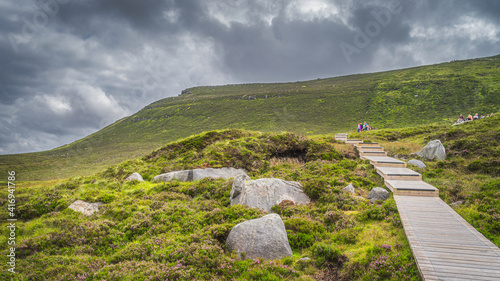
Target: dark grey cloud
x,y
70,67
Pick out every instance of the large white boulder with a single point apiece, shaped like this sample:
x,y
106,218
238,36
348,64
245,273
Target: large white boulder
x,y
433,150
265,193
260,238
198,174
185,175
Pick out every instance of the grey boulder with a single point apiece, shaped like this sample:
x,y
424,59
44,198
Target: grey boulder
x,y
85,208
349,188
378,193
260,238
185,175
433,150
417,163
265,193
198,174
224,173
134,176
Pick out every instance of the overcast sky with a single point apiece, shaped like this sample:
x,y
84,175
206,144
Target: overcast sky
x,y
70,67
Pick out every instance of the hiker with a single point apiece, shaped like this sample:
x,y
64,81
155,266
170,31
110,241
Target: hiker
x,y
461,118
476,116
359,128
365,126
469,118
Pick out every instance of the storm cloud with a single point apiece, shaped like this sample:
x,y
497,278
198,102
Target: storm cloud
x,y
69,68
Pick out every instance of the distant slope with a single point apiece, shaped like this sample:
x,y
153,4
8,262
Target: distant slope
x,y
392,99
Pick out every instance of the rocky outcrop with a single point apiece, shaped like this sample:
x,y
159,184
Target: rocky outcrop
x,y
417,163
349,188
378,193
264,237
265,193
85,208
134,176
433,150
198,174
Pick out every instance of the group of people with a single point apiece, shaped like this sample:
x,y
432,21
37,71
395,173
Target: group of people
x,y
476,116
363,127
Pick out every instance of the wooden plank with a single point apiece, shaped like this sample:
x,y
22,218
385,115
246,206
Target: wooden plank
x,y
451,268
450,252
384,159
461,264
462,276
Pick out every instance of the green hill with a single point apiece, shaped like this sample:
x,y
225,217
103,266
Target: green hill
x,y
392,99
177,230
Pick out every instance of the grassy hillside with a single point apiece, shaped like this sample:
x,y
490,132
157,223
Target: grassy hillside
x,y
177,230
393,99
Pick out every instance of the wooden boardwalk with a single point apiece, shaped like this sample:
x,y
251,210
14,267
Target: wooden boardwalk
x,y
444,245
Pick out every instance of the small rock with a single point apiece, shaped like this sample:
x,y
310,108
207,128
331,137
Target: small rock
x,y
260,238
349,188
304,259
378,193
135,176
456,204
433,150
265,193
417,163
85,208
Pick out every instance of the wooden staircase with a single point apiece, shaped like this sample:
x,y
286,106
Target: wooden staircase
x,y
444,245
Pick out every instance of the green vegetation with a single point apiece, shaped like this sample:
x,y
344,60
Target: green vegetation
x,y
392,99
177,230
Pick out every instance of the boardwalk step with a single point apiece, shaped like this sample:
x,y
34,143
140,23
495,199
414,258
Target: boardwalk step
x,y
415,188
341,137
389,173
351,141
370,144
360,148
381,161
372,153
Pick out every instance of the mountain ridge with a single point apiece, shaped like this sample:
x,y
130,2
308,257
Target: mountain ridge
x,y
391,99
